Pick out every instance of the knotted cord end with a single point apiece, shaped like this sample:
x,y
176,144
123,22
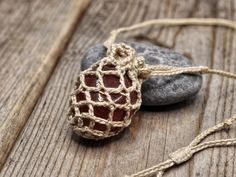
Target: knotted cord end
x,y
227,123
181,155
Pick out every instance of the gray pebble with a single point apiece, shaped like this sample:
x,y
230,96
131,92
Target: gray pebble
x,y
156,90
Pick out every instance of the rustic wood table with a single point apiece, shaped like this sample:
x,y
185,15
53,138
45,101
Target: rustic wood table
x,y
41,46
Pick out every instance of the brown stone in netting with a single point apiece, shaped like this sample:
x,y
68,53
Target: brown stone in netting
x,y
133,97
118,98
96,96
108,67
106,96
111,81
119,114
101,112
128,81
80,96
90,80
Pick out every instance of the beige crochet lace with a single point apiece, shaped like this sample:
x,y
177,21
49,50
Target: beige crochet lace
x,y
124,59
101,110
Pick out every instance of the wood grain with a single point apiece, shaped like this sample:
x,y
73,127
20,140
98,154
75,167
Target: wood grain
x,y
47,147
33,35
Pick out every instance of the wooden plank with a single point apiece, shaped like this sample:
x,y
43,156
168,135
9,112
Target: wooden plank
x,y
47,147
33,35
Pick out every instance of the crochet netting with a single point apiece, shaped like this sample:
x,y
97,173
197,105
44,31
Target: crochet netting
x,y
107,94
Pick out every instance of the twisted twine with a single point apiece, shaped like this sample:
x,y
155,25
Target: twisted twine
x,y
165,70
171,22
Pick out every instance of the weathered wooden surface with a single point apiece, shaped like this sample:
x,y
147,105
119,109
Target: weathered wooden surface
x,y
32,37
46,147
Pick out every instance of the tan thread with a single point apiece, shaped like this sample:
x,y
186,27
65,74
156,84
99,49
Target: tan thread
x,y
125,59
171,22
164,70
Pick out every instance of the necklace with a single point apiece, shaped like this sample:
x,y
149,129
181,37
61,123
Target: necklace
x,y
108,94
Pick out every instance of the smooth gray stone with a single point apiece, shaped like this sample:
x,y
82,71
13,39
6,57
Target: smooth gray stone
x,y
156,90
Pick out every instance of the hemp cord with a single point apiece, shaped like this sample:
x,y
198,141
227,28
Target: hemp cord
x,y
183,154
171,22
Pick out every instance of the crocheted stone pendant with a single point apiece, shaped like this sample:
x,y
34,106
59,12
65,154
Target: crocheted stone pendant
x,y
107,94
